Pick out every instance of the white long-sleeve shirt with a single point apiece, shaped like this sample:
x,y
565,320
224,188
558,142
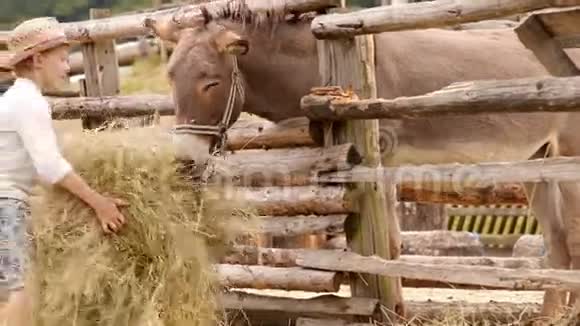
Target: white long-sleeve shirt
x,y
28,144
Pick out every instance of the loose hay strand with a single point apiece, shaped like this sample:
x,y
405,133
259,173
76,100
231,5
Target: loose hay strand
x,y
158,269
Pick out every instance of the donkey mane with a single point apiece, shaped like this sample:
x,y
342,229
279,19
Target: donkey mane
x,y
238,11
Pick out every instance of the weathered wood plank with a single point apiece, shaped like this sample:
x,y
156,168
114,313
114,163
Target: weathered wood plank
x,y
261,133
301,200
459,176
432,243
522,95
110,106
374,230
520,279
441,243
470,195
322,305
561,23
127,53
277,278
539,33
287,226
439,13
331,306
430,246
277,257
281,167
246,133
134,25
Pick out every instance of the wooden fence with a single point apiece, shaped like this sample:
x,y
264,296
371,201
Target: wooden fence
x,y
300,188
346,54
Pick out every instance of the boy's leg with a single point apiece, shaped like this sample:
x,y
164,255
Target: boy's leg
x,y
13,250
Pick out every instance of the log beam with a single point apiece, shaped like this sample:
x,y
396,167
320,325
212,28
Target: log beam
x,y
462,176
186,16
522,95
520,279
276,257
441,243
110,106
260,133
289,226
302,200
289,278
422,15
281,167
432,243
322,305
540,37
250,133
334,307
127,54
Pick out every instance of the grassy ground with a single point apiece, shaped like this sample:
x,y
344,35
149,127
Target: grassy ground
x,y
147,76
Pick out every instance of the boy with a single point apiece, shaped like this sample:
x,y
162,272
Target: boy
x,y
28,148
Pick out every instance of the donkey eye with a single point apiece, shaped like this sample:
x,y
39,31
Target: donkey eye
x,y
207,86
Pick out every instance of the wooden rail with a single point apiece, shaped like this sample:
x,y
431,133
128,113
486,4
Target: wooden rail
x,y
523,279
135,25
279,257
466,175
334,307
549,94
421,15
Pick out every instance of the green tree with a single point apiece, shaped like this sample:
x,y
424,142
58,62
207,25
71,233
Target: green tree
x,y
14,11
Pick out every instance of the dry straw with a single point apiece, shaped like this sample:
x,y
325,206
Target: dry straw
x,y
158,270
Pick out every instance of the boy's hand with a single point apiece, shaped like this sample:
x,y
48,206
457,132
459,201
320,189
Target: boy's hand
x,y
105,207
109,216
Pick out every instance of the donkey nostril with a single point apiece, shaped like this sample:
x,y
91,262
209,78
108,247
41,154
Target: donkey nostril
x,y
210,85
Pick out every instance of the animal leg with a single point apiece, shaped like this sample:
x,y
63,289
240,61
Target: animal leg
x,y
571,216
544,199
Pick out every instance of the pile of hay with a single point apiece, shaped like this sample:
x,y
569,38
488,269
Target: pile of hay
x,y
158,269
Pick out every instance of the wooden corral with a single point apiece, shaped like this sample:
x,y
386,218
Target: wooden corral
x,y
302,182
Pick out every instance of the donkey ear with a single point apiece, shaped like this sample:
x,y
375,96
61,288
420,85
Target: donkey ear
x,y
232,43
165,29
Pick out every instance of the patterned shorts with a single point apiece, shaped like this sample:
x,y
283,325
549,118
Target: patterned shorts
x,y
13,243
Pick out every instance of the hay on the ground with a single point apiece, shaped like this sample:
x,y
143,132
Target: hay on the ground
x,y
158,269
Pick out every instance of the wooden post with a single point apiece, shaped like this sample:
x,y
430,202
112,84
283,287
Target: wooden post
x,y
350,62
101,69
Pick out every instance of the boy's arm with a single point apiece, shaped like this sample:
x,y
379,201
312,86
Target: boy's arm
x,y
34,125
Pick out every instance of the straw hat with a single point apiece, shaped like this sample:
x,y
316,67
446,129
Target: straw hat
x,y
33,36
